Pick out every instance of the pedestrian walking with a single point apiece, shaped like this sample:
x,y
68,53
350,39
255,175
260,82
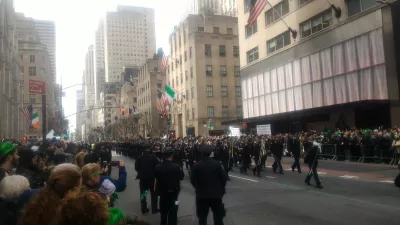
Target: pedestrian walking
x,y
311,158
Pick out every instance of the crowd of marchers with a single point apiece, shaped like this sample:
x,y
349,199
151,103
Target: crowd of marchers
x,y
60,184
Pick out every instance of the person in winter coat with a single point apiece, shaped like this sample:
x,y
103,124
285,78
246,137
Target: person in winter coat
x,y
14,195
31,167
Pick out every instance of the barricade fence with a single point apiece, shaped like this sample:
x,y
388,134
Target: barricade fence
x,y
360,153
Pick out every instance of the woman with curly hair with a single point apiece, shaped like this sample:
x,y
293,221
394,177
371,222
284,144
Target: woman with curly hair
x,y
42,209
79,159
85,208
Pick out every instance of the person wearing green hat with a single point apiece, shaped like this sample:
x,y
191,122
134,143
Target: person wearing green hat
x,y
8,157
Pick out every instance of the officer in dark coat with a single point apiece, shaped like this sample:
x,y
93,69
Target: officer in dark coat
x,y
168,184
145,167
209,179
310,157
294,144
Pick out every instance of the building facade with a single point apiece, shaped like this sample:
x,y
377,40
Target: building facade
x,y
99,59
37,67
340,71
152,78
80,114
12,123
229,8
210,7
112,98
129,39
204,72
47,34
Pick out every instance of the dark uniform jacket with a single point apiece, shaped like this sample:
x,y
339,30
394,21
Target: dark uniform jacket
x,y
145,167
168,175
209,179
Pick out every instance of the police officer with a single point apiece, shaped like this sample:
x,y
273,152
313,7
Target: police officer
x,y
145,166
168,178
311,158
209,179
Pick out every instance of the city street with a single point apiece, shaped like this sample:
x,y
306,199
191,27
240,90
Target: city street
x,y
353,194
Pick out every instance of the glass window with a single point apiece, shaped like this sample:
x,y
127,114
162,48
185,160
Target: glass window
x,y
302,2
186,75
238,91
207,50
247,5
210,91
192,92
187,94
187,114
190,52
216,30
237,70
252,30
252,55
229,31
222,50
224,91
193,113
275,13
208,70
210,111
200,29
239,112
185,56
32,98
32,71
316,24
236,51
32,58
222,69
191,72
225,112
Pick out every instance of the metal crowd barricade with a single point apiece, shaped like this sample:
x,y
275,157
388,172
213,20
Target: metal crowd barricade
x,y
328,150
369,152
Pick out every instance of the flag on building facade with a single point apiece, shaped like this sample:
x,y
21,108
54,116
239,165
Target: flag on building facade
x,y
170,94
164,61
160,101
35,119
257,6
28,114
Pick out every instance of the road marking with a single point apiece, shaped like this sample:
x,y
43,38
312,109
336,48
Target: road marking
x,y
288,169
387,181
322,173
270,177
349,177
244,178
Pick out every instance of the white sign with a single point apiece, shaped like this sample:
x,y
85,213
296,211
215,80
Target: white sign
x,y
264,129
235,132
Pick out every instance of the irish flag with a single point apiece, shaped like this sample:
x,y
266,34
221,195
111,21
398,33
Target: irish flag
x,y
35,119
170,94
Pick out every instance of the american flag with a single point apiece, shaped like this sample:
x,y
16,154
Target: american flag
x,y
164,61
160,101
257,7
28,114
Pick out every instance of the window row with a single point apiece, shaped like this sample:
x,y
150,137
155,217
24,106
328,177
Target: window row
x,y
224,91
224,112
357,53
366,84
222,50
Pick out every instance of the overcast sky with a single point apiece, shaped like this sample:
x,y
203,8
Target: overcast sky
x,y
76,21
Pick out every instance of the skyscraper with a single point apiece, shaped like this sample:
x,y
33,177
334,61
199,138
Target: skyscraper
x,y
205,6
89,78
99,73
129,39
229,7
47,34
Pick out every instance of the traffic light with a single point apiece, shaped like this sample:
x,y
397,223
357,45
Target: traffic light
x,y
123,111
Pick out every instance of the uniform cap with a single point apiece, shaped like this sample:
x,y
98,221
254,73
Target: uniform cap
x,y
146,146
168,151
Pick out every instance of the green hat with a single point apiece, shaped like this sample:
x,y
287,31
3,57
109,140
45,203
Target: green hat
x,y
6,148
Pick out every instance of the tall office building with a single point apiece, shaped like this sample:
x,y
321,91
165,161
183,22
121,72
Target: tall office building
x,y
47,34
80,116
206,75
129,39
89,78
229,7
212,7
99,73
338,72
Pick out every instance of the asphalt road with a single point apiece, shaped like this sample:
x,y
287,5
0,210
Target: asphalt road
x,y
285,199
